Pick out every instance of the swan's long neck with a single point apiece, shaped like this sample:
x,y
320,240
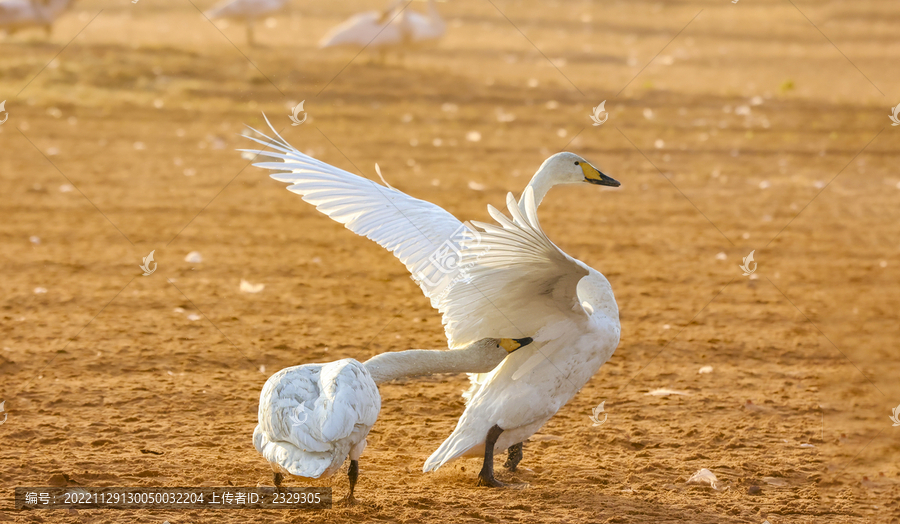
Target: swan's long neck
x,y
540,184
398,364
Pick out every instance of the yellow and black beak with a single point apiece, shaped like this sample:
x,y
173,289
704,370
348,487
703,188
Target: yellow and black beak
x,y
512,344
592,175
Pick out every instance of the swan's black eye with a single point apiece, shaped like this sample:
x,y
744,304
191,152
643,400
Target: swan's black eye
x,y
576,163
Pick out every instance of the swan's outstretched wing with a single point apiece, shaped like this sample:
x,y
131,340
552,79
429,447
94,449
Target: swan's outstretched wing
x,y
516,280
506,281
425,237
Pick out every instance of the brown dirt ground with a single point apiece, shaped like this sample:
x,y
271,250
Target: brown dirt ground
x,y
100,366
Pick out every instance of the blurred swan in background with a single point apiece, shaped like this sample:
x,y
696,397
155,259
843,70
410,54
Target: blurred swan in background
x,y
16,15
396,26
426,27
247,11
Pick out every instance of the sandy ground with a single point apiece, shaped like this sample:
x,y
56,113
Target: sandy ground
x,y
138,118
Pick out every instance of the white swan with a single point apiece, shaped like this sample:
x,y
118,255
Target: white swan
x,y
312,417
568,308
428,27
393,27
16,15
432,243
247,11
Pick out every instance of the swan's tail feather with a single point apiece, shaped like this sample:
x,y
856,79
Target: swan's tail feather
x,y
454,447
294,460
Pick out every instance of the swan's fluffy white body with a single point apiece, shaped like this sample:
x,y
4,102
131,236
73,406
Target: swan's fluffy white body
x,y
576,324
393,27
374,29
312,417
16,15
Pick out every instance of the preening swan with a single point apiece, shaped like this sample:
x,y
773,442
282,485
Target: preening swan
x,y
395,26
443,255
312,417
16,15
247,11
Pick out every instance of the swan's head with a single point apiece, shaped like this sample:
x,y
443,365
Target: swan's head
x,y
509,345
569,168
512,344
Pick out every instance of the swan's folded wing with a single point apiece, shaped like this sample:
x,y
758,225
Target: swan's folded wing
x,y
293,459
516,281
423,236
349,398
313,406
285,406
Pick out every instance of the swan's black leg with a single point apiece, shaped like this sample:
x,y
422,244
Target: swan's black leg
x,y
513,456
277,477
486,476
353,475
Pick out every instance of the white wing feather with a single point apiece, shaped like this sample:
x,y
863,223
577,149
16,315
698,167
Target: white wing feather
x,y
410,228
516,280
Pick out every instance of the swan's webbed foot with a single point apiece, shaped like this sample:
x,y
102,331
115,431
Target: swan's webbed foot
x,y
278,478
488,480
513,457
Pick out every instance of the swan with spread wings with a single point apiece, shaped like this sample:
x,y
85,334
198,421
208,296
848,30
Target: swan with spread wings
x,y
516,284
